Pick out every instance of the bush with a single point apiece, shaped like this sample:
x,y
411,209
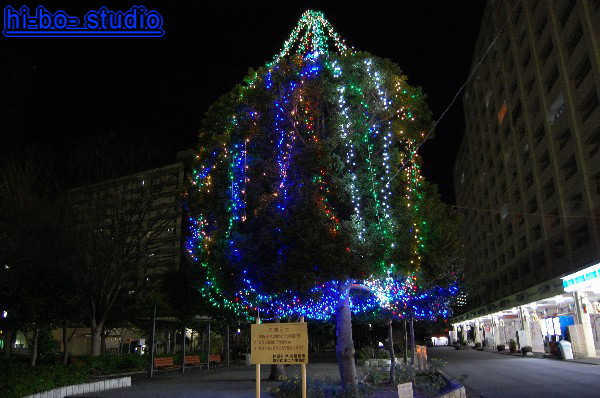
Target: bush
x,y
18,380
109,364
292,388
430,382
501,347
382,354
526,349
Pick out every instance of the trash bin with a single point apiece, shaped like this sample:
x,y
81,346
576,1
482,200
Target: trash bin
x,y
566,350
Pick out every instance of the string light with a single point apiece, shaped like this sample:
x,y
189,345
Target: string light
x,y
280,112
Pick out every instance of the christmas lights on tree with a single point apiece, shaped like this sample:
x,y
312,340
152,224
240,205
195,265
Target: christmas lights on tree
x,y
307,186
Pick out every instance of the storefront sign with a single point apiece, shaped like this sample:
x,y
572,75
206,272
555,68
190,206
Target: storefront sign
x,y
584,279
284,343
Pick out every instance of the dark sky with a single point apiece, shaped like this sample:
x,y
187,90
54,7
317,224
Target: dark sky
x,y
57,91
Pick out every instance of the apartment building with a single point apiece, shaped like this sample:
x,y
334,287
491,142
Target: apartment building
x,y
528,170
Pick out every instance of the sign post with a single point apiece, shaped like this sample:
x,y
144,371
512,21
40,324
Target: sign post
x,y
303,369
279,343
252,356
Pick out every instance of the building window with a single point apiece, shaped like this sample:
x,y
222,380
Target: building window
x,y
594,142
538,136
487,98
502,113
546,50
576,203
563,138
582,71
544,161
581,236
556,109
540,28
536,232
528,180
557,249
552,78
532,206
553,220
522,243
574,40
516,112
548,189
525,268
589,105
570,168
596,179
566,12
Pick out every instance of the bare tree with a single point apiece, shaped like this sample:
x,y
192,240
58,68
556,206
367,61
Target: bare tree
x,y
118,227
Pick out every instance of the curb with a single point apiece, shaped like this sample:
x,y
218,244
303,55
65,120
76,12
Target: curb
x,y
458,390
84,388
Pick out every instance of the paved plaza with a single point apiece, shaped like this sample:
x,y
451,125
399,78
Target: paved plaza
x,y
233,382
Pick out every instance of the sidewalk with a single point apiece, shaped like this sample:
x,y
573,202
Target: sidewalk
x,y
586,360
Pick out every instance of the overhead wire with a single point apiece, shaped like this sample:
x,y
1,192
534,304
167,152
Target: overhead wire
x,y
435,123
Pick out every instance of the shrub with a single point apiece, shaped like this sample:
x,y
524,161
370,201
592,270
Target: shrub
x,y
109,364
18,380
501,347
526,349
382,354
430,382
292,388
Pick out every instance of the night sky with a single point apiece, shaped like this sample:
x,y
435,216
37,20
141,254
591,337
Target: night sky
x,y
55,92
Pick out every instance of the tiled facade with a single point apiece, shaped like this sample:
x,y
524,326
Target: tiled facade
x,y
528,170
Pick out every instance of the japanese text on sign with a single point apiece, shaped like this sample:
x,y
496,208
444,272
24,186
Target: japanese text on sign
x,y
279,343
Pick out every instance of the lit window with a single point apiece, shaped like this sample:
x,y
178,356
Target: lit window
x,y
502,113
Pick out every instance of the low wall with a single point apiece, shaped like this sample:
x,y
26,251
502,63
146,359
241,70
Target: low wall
x,y
455,389
84,388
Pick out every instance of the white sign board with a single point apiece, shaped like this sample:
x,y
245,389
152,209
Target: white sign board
x,y
405,390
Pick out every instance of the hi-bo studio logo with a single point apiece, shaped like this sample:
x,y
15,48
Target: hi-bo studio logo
x,y
137,22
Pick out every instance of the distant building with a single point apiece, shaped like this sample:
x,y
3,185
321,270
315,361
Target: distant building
x,y
528,170
142,212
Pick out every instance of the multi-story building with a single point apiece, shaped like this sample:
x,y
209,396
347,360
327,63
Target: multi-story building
x,y
528,171
134,230
137,217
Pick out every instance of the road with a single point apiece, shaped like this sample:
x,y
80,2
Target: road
x,y
493,375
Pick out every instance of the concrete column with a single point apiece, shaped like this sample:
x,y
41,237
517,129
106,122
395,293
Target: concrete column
x,y
478,335
583,318
525,332
497,336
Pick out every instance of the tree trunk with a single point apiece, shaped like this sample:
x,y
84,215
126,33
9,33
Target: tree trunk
x,y
65,339
391,351
8,343
344,345
34,347
405,348
103,342
96,333
183,352
277,370
412,342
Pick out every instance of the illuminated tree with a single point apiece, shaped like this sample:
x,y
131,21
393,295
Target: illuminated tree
x,y
307,186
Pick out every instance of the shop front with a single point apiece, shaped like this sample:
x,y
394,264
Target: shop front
x,y
571,312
